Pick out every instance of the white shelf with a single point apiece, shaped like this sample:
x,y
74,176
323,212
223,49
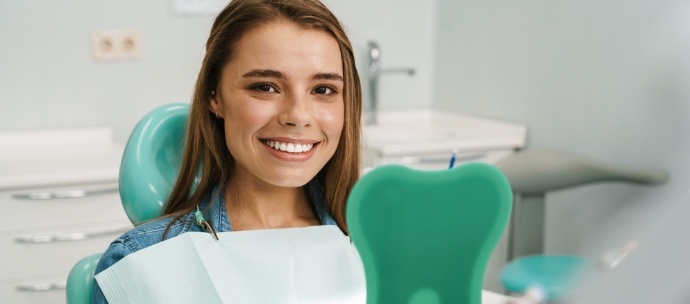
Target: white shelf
x,y
58,157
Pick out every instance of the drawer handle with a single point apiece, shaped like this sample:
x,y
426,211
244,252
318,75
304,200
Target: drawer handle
x,y
76,236
61,194
42,287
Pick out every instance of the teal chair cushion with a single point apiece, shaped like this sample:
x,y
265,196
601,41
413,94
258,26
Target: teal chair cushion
x,y
554,274
426,236
151,161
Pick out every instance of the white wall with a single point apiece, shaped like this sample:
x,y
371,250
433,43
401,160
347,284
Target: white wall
x,y
49,80
404,30
607,79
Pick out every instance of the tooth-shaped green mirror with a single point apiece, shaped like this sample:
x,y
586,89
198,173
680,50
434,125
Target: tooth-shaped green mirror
x,y
426,236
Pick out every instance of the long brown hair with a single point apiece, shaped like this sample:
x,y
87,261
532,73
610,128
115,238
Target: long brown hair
x,y
206,158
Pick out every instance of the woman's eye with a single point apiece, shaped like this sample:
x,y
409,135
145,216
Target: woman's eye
x,y
265,88
323,91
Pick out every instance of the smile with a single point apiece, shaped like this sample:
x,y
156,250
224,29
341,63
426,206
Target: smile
x,y
288,147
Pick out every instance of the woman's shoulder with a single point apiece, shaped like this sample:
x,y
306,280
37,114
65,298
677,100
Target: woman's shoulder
x,y
142,236
152,232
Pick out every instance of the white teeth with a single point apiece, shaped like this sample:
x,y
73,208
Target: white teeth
x,y
289,147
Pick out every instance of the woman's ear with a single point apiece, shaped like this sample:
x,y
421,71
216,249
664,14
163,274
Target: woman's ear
x,y
215,106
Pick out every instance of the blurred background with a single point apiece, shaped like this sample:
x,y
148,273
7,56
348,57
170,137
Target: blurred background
x,y
609,79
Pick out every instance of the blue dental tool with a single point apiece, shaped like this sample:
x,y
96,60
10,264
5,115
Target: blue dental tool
x,y
452,158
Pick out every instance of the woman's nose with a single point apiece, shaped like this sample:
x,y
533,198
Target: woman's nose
x,y
295,111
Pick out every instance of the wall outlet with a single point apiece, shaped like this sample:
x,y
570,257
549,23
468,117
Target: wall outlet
x,y
116,44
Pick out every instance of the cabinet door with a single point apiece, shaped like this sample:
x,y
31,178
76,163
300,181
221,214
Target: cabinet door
x,y
39,252
41,290
41,208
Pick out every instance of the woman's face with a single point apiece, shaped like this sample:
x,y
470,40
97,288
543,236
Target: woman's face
x,y
281,99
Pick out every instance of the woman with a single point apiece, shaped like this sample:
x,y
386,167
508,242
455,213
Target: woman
x,y
274,130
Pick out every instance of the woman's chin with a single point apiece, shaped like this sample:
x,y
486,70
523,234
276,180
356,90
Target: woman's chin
x,y
291,182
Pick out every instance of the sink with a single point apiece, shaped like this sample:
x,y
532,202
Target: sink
x,y
418,132
410,134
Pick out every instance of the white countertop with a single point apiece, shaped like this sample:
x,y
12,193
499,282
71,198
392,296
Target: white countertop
x,y
426,131
58,157
489,297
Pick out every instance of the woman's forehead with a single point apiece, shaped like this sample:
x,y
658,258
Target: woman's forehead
x,y
288,48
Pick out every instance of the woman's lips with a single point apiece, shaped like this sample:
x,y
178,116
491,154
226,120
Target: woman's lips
x,y
290,151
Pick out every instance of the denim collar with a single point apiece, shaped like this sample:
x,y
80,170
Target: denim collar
x,y
318,199
213,207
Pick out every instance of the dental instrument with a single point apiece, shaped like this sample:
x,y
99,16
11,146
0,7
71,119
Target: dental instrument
x,y
452,158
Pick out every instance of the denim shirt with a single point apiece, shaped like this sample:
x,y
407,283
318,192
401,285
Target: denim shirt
x,y
151,233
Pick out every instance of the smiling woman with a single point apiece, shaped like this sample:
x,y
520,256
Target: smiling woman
x,y
274,92
273,138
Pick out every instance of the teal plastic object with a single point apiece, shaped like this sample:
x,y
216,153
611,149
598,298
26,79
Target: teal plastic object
x,y
80,280
555,274
151,161
426,236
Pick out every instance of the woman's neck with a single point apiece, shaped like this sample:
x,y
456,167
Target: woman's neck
x,y
258,205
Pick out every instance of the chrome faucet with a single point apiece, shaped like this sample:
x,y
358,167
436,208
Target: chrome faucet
x,y
375,72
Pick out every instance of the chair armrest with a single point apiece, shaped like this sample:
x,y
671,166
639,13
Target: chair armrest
x,y
80,280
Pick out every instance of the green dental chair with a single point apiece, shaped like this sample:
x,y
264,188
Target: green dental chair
x,y
147,173
533,173
424,237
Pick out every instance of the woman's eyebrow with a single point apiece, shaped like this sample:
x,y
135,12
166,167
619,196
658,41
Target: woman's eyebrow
x,y
263,74
327,76
275,74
